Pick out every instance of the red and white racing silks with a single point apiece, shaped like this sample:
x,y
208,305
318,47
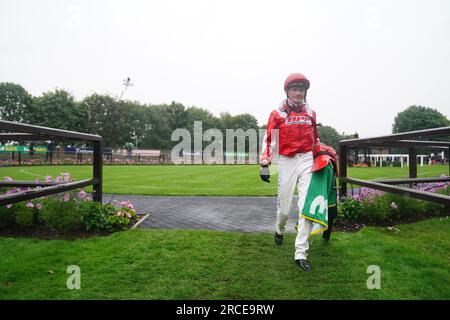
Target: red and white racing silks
x,y
297,131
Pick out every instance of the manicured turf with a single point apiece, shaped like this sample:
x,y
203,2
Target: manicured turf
x,y
194,179
181,264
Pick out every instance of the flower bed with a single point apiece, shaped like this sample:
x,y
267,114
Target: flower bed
x,y
374,207
71,212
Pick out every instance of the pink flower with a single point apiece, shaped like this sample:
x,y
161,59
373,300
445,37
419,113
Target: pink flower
x,y
8,178
393,205
66,176
12,190
9,205
66,197
48,178
37,180
59,179
30,205
39,206
82,194
127,204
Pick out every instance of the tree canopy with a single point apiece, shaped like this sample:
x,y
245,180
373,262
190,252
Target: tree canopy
x,y
15,102
117,121
418,118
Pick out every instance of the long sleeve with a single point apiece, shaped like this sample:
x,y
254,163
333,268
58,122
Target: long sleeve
x,y
315,131
270,139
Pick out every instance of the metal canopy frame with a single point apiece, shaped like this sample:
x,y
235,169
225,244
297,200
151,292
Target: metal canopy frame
x,y
397,140
26,132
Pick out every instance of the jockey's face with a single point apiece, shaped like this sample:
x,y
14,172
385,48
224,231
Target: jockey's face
x,y
296,94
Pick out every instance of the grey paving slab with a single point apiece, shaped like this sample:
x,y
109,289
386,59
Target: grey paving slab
x,y
245,214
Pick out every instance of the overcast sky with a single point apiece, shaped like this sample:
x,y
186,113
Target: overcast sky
x,y
366,60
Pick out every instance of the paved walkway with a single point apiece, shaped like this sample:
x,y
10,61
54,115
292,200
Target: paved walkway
x,y
246,214
224,213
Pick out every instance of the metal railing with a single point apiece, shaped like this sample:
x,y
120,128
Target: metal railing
x,y
28,132
24,158
397,140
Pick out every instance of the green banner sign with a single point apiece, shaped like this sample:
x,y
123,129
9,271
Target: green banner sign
x,y
23,149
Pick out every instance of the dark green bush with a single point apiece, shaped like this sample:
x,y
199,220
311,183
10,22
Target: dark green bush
x,y
407,206
117,223
434,207
7,216
376,209
349,209
61,215
69,211
95,215
24,215
99,217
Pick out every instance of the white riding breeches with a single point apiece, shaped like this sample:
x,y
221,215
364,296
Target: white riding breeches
x,y
294,171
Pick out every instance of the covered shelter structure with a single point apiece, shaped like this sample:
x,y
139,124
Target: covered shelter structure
x,y
26,132
410,140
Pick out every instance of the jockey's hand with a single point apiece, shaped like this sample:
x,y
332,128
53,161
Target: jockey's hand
x,y
264,172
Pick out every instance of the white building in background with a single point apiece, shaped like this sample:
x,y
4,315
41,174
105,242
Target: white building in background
x,y
379,158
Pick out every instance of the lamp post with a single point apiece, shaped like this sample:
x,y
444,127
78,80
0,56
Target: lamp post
x,y
127,83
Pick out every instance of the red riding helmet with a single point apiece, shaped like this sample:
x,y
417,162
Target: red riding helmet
x,y
296,77
323,154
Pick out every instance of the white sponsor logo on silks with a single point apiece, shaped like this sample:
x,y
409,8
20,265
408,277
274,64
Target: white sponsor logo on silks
x,y
298,120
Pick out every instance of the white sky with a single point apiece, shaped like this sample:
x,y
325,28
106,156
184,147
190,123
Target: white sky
x,y
366,60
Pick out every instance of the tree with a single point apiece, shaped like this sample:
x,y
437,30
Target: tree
x,y
105,119
135,124
245,121
418,118
15,102
241,121
177,115
329,136
58,109
209,121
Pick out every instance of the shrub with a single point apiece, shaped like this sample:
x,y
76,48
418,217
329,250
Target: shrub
x,y
95,215
349,209
117,223
434,207
24,215
375,209
379,206
99,217
407,206
60,215
7,216
67,212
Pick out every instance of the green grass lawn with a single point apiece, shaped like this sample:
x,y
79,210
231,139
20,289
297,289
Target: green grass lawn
x,y
211,180
181,264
